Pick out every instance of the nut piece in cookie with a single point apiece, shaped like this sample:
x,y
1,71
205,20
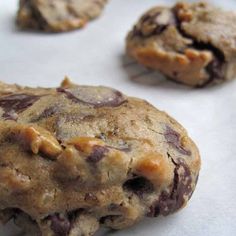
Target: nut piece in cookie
x,y
193,44
77,158
57,15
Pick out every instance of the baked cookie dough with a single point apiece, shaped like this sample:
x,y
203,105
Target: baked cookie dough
x,y
58,15
190,43
75,158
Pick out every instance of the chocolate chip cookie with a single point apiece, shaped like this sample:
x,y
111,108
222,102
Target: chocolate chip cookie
x,y
75,158
57,15
190,43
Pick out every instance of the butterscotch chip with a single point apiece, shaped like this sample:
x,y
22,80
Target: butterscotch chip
x,y
58,15
76,158
193,44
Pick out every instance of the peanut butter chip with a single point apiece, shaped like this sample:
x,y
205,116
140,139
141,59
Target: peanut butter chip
x,y
156,168
66,83
39,140
85,144
94,148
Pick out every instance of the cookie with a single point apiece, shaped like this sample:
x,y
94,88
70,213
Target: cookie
x,y
76,158
58,15
193,44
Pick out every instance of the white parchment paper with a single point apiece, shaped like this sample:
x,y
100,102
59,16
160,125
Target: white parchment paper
x,y
95,55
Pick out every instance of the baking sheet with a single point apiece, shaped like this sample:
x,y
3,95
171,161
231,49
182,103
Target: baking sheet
x,y
95,55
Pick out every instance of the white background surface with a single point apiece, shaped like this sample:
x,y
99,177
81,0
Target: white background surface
x,y
95,55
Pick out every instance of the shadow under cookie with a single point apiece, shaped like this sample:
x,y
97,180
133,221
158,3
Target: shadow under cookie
x,y
147,77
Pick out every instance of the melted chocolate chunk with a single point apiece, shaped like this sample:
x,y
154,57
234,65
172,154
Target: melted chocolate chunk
x,y
173,138
215,70
60,226
170,202
156,23
37,17
16,103
139,186
98,153
94,96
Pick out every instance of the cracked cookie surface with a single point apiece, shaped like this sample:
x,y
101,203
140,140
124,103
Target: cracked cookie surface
x,y
75,158
193,44
58,15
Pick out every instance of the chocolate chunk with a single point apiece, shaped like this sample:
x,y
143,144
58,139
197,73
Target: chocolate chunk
x,y
139,186
170,202
173,138
16,103
60,225
94,96
154,24
98,153
37,21
215,70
